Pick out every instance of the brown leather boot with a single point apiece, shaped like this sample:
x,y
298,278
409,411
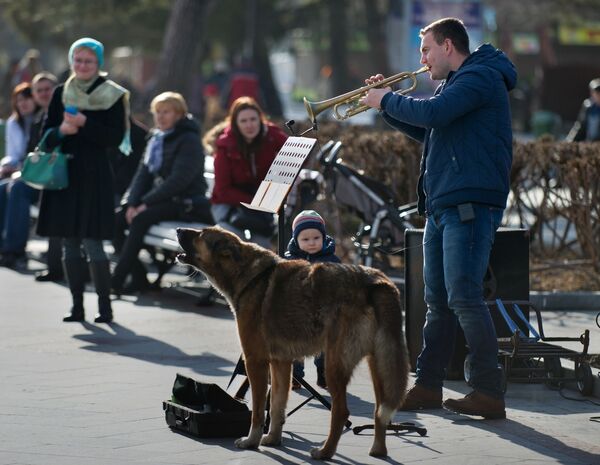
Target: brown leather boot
x,y
419,398
479,404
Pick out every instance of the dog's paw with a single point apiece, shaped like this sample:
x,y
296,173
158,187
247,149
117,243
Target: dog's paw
x,y
245,443
319,453
272,440
378,451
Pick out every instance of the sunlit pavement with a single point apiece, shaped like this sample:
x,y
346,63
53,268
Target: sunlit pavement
x,y
92,393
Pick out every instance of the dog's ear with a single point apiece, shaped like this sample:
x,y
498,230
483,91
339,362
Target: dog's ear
x,y
227,249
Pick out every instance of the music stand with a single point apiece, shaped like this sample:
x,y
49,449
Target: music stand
x,y
270,197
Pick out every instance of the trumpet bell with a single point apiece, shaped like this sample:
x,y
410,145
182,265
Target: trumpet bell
x,y
351,99
312,109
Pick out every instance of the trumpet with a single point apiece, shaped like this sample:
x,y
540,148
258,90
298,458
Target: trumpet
x,y
352,99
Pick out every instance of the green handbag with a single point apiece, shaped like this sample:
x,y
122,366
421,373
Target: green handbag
x,y
45,170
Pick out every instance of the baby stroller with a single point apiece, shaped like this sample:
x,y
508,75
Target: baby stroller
x,y
380,235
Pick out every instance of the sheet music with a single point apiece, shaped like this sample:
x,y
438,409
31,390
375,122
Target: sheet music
x,y
282,174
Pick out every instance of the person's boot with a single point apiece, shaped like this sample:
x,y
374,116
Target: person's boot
x,y
297,374
321,381
478,404
75,272
420,397
139,278
54,261
48,276
100,272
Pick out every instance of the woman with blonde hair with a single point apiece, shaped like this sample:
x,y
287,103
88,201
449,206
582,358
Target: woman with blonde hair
x,y
168,185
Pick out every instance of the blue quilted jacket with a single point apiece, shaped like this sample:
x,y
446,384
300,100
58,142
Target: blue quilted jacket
x,y
466,131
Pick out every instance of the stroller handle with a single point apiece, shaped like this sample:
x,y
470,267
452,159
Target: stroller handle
x,y
328,154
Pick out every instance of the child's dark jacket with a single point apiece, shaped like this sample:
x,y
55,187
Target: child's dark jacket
x,y
327,253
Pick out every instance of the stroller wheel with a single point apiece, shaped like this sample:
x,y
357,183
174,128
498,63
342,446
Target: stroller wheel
x,y
585,379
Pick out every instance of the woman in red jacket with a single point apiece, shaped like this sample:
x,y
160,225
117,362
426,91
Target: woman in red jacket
x,y
244,152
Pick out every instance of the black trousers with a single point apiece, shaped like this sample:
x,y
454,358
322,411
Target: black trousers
x,y
129,246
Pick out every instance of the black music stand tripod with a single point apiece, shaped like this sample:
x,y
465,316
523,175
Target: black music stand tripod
x,y
270,197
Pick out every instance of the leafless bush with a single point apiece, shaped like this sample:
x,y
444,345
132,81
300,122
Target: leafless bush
x,y
554,187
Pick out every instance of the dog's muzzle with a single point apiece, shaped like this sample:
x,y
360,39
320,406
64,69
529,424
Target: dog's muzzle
x,y
186,236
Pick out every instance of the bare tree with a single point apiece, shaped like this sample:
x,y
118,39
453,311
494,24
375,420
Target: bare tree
x,y
375,22
263,66
183,40
338,51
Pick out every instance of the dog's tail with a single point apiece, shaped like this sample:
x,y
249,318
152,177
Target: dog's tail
x,y
390,363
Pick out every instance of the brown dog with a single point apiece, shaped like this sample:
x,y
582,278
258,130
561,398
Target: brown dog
x,y
289,309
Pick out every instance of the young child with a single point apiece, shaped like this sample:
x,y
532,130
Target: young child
x,y
310,242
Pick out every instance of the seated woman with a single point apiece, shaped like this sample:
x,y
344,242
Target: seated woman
x,y
168,185
244,153
244,150
15,195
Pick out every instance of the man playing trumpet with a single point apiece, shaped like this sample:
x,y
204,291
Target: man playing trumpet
x,y
462,190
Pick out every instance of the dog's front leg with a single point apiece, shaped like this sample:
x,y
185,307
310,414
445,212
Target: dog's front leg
x,y
280,387
257,371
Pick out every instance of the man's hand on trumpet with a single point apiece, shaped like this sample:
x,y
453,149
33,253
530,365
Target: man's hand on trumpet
x,y
374,95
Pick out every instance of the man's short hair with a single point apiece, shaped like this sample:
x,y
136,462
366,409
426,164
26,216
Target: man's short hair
x,y
449,28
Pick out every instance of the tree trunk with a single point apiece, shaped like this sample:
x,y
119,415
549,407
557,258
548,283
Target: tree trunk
x,y
263,67
182,42
377,39
338,53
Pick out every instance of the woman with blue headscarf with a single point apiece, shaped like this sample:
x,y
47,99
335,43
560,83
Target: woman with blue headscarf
x,y
87,115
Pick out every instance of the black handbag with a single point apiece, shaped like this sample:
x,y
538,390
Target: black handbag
x,y
45,170
255,221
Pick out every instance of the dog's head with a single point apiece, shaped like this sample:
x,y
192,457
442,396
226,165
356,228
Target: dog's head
x,y
223,257
209,248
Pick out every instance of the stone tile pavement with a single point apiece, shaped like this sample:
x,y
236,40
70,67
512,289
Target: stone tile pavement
x,y
79,394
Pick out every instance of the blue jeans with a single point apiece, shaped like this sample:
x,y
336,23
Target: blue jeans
x,y
456,256
15,199
298,365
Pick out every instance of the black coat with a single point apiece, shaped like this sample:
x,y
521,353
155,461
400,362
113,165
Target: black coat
x,y
124,166
85,209
35,134
181,174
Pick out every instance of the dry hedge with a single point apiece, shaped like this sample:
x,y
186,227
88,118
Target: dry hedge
x,y
554,185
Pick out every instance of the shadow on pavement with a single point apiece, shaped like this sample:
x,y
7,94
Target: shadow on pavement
x,y
127,343
532,439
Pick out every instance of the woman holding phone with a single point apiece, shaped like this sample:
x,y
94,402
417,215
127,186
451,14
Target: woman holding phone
x,y
87,115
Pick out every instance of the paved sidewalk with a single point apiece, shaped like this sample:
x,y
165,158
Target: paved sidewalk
x,y
79,394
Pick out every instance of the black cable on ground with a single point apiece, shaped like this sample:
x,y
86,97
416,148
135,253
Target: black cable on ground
x,y
560,389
